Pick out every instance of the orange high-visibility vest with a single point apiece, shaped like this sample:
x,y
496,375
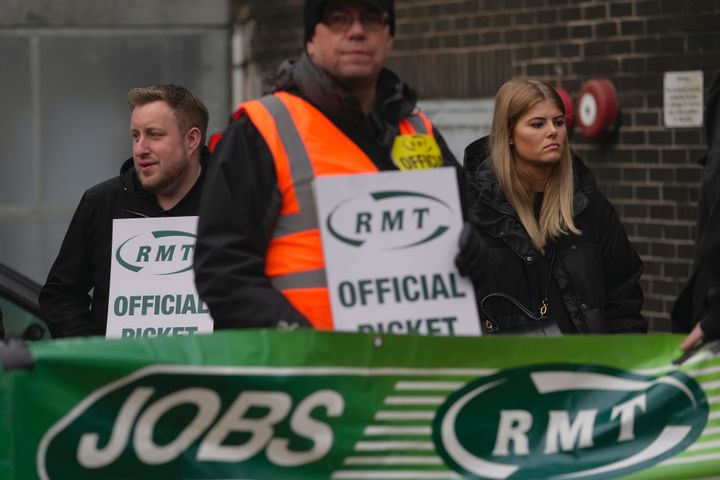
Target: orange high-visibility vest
x,y
305,144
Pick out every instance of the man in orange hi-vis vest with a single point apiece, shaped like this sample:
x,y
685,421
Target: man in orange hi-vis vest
x,y
336,110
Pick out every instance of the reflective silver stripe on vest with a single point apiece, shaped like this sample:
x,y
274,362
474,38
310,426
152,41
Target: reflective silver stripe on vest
x,y
302,175
417,123
307,279
301,171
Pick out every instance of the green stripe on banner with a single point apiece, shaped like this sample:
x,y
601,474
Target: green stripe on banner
x,y
313,405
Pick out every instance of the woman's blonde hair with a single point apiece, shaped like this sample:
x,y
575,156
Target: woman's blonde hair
x,y
513,100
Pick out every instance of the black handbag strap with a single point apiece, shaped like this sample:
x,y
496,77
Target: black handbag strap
x,y
491,325
510,299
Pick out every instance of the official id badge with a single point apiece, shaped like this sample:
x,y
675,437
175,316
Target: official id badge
x,y
416,152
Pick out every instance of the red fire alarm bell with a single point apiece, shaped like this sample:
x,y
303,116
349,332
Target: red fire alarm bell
x,y
569,112
597,108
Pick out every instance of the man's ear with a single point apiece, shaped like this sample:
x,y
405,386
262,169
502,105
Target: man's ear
x,y
310,47
389,44
192,139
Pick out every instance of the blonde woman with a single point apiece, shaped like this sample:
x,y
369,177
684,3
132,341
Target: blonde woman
x,y
559,260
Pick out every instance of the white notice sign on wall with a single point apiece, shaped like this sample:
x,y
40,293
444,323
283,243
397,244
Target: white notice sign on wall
x,y
683,99
389,241
152,283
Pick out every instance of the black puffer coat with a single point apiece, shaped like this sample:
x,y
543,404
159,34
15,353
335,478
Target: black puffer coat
x,y
597,274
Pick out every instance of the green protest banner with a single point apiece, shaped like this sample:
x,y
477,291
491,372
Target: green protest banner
x,y
314,405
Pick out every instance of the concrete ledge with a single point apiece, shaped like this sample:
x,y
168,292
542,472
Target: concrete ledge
x,y
94,13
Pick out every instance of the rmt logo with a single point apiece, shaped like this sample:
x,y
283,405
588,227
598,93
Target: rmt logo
x,y
163,252
568,421
389,220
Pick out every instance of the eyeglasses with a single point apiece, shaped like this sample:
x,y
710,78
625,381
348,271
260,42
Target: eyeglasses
x,y
340,22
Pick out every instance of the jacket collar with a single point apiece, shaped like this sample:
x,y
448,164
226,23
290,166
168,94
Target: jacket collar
x,y
394,99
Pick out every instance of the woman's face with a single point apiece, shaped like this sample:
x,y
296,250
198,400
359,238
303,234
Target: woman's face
x,y
538,139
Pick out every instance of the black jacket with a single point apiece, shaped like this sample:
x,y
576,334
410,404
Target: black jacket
x,y
83,264
595,276
242,203
700,299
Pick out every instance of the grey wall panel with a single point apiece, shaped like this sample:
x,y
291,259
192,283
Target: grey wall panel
x,y
460,121
18,187
85,134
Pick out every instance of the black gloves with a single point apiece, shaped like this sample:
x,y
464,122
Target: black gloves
x,y
472,260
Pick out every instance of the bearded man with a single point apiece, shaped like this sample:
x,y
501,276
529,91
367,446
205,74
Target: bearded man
x,y
164,178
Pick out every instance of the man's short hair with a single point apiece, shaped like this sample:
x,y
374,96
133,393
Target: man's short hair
x,y
189,110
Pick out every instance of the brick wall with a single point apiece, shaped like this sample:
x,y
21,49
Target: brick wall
x,y
275,33
467,49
